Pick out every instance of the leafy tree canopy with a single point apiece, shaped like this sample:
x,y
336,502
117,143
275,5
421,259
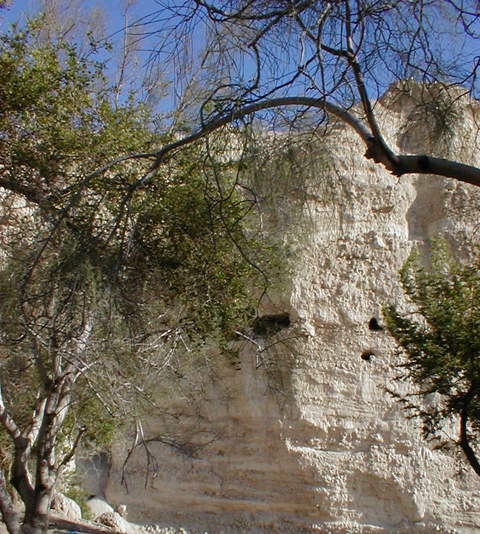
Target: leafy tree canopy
x,y
106,281
441,344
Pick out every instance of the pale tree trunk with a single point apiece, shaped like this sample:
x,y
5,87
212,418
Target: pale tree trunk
x,y
37,517
36,497
9,515
46,420
37,512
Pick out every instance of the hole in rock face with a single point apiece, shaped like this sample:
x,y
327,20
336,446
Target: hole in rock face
x,y
270,324
367,355
373,325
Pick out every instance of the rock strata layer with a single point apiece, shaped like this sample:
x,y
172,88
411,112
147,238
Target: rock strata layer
x,y
330,451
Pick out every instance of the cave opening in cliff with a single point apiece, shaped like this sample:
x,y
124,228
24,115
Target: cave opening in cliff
x,y
373,325
367,355
268,325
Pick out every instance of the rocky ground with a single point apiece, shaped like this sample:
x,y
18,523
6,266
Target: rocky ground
x,y
60,525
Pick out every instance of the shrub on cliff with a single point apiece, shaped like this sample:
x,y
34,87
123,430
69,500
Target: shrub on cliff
x,y
441,345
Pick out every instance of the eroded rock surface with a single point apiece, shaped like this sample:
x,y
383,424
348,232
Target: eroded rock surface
x,y
331,451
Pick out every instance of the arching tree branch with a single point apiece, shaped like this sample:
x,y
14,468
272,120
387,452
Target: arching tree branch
x,y
377,150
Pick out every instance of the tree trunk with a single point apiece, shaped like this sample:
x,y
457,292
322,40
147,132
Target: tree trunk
x,y
38,517
464,442
9,514
37,511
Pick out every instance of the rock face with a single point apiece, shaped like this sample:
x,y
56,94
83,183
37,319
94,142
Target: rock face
x,y
330,451
93,472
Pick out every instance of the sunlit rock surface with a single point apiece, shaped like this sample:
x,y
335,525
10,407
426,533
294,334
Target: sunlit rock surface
x,y
330,452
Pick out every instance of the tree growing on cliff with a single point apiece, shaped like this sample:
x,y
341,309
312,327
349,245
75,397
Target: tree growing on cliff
x,y
441,346
103,280
335,58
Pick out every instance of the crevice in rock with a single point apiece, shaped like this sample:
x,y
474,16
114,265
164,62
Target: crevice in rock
x,y
367,355
374,326
268,325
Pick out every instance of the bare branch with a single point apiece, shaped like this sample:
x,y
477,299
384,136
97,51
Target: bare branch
x,y
464,441
73,449
31,431
7,421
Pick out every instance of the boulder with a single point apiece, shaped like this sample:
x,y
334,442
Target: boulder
x,y
114,521
121,509
99,506
65,506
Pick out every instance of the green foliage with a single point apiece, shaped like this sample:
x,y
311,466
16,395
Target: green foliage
x,y
433,120
177,233
80,497
284,174
192,239
108,284
58,120
441,341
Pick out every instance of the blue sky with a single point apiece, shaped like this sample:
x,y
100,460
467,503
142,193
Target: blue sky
x,y
455,50
111,7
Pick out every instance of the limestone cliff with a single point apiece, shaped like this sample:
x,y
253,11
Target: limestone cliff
x,y
335,453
